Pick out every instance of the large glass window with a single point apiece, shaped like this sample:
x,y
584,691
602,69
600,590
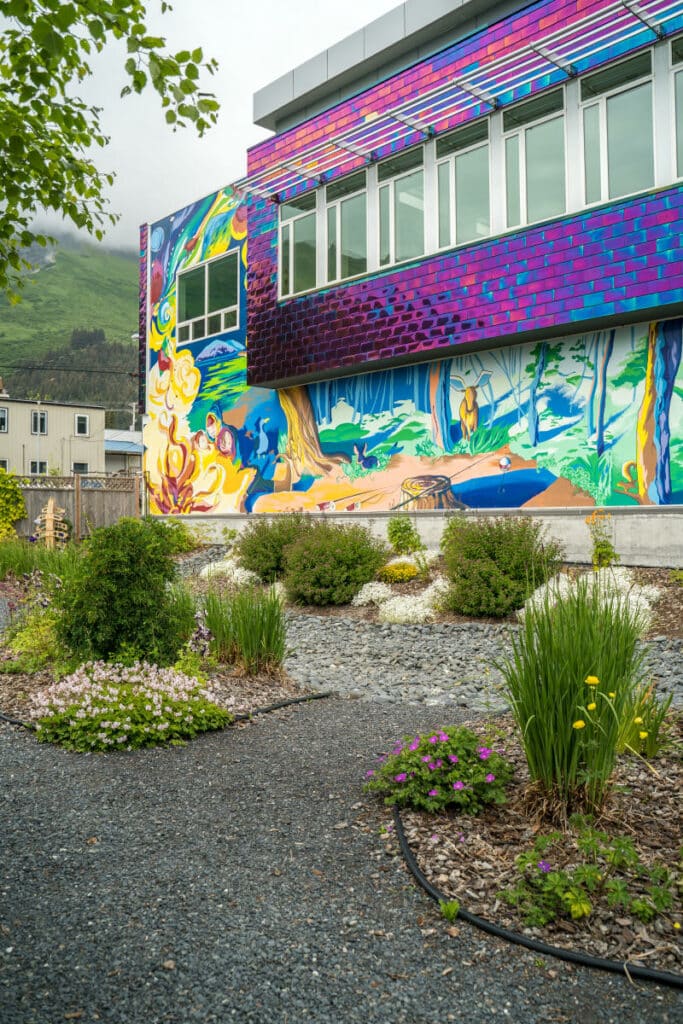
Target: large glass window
x,y
401,207
463,184
677,59
618,130
208,298
38,421
347,228
535,159
298,244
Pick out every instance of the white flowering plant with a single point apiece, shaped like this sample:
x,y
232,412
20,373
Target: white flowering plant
x,y
103,707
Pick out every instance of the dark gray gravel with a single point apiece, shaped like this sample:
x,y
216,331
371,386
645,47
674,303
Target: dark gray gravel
x,y
243,878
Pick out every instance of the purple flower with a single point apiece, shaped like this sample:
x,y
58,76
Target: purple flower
x,y
401,777
439,763
443,737
490,778
369,774
433,792
415,744
544,866
458,785
453,758
484,752
431,766
433,739
426,758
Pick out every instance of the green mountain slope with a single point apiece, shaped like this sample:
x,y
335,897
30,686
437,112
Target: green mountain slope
x,y
77,285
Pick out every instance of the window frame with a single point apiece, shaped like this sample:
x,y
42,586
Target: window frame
x,y
38,463
4,419
390,184
288,222
449,160
675,69
80,472
519,132
336,205
38,420
81,416
181,325
600,102
4,464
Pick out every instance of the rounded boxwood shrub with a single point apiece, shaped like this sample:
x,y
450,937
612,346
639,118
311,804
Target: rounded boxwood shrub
x,y
118,604
260,548
494,565
329,564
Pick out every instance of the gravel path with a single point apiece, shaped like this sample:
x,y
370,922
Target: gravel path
x,y
242,878
440,663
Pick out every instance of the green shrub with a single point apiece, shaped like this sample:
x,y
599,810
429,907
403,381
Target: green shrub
x,y
494,565
12,505
261,545
329,564
178,538
398,572
118,603
570,681
247,628
449,767
403,535
35,643
112,707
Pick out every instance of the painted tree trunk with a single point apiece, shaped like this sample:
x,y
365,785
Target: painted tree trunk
x,y
439,403
653,435
532,413
303,444
602,392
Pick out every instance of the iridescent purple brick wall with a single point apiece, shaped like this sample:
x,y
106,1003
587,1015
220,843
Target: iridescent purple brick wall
x,y
618,261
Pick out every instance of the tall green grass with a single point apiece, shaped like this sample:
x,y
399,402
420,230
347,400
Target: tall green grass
x,y
19,557
569,727
247,628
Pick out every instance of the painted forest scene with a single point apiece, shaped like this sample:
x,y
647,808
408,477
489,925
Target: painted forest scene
x,y
593,419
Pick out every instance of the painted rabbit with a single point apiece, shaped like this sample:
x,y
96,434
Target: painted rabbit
x,y
365,460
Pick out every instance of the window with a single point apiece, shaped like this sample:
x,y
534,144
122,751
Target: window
x,y
82,425
401,207
4,419
534,159
4,464
298,252
618,130
677,59
463,185
38,468
347,228
80,467
38,421
208,298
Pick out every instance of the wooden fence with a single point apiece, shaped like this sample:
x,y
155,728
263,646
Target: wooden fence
x,y
88,501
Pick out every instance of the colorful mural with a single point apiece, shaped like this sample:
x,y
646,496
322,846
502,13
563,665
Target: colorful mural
x,y
595,418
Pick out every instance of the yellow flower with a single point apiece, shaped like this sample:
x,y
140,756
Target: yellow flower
x,y
677,925
612,695
638,721
642,734
592,707
592,680
579,724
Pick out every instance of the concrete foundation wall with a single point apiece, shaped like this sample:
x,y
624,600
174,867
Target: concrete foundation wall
x,y
643,537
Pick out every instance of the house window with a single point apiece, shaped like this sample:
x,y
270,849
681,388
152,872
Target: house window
x,y
618,130
38,421
4,464
38,468
4,419
535,159
463,184
677,59
298,251
80,467
82,425
347,228
208,298
401,207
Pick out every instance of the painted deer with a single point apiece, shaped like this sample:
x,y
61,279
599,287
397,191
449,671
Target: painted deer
x,y
469,409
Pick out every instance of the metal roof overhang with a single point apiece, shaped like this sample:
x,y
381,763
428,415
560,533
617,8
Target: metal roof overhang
x,y
547,60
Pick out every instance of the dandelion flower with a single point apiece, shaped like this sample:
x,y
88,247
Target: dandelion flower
x,y
579,724
592,680
611,695
638,721
677,925
642,734
592,707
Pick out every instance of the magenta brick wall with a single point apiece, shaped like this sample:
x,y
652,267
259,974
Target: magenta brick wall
x,y
623,259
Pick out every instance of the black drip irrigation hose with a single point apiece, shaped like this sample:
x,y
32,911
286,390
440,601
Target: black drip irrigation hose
x,y
640,973
245,717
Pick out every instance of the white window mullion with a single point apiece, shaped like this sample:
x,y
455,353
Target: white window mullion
x,y
431,199
497,174
604,169
664,115
373,220
523,219
321,250
573,143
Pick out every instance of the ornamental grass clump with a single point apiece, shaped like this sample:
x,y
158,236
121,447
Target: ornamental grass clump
x,y
112,707
451,767
570,680
247,628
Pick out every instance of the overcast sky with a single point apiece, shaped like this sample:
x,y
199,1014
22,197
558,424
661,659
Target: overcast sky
x,y
254,42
